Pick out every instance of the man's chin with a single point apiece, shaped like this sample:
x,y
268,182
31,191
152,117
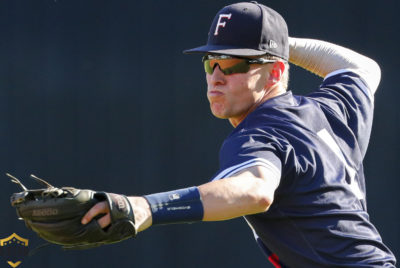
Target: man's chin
x,y
218,111
219,115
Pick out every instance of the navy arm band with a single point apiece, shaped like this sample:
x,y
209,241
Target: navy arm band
x,y
178,206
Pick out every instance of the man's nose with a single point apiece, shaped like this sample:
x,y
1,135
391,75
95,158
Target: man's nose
x,y
217,77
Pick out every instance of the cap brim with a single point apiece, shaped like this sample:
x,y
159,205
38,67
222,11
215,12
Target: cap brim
x,y
234,51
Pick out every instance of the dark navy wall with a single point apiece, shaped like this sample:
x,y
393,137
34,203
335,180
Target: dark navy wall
x,y
97,94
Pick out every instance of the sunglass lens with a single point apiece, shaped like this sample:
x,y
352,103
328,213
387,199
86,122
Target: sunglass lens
x,y
207,67
227,66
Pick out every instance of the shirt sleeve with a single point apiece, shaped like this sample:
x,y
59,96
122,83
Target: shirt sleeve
x,y
241,151
345,96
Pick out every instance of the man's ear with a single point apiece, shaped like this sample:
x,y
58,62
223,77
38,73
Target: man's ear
x,y
276,72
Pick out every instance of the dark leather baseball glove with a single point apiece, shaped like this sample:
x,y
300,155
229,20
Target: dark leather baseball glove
x,y
55,215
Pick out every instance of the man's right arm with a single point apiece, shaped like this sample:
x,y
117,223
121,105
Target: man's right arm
x,y
323,58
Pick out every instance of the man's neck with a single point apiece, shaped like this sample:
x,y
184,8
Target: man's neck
x,y
271,93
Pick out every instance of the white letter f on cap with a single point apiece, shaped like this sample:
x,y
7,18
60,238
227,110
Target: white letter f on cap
x,y
221,24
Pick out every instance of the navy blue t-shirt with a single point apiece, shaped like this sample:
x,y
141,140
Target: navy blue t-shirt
x,y
317,142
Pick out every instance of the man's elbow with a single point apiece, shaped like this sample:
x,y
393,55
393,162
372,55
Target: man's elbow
x,y
264,203
376,71
263,198
371,72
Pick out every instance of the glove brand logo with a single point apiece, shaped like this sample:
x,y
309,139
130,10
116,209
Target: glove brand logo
x,y
120,202
222,24
14,248
45,212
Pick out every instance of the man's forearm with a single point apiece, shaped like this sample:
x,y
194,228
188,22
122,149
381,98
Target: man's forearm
x,y
248,192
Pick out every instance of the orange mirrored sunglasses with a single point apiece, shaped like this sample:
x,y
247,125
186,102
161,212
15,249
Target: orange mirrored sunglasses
x,y
229,64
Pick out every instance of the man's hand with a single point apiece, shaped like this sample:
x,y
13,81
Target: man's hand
x,y
141,210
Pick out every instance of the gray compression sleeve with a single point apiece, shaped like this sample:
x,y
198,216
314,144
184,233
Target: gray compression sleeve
x,y
323,58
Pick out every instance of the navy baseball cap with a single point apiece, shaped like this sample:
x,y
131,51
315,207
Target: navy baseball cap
x,y
247,29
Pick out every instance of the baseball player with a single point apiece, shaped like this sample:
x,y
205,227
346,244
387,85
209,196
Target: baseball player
x,y
292,165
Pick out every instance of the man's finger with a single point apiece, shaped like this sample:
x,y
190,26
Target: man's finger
x,y
99,208
105,220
